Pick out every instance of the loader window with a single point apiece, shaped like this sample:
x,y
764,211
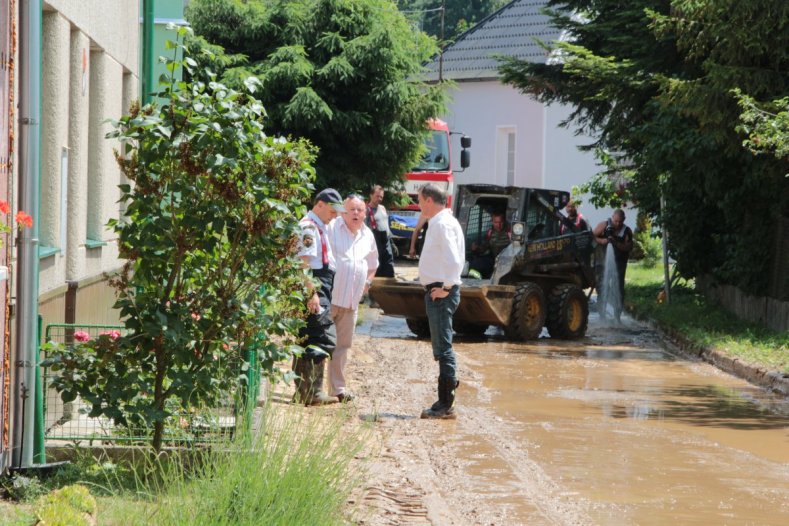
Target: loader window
x,y
475,229
480,218
540,223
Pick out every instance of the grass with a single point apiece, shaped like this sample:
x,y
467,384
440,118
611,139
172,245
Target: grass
x,y
296,470
703,322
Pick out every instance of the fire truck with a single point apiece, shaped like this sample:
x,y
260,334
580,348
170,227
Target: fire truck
x,y
434,167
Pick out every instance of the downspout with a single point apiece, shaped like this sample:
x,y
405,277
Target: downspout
x,y
147,52
30,14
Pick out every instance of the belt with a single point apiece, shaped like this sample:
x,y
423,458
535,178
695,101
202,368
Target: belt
x,y
437,285
434,285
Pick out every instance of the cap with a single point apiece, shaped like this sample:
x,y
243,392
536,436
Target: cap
x,y
332,197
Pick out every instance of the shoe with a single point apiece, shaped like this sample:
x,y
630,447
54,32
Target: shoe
x,y
346,397
444,408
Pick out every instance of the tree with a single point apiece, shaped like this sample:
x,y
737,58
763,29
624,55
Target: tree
x,y
208,234
654,81
766,125
341,73
460,15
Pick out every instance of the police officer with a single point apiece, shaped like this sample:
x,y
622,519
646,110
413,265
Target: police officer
x,y
319,334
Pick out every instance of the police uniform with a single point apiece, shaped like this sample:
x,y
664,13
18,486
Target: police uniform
x,y
320,334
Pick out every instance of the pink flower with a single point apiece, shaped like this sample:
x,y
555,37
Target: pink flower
x,y
81,336
24,219
112,335
195,316
4,208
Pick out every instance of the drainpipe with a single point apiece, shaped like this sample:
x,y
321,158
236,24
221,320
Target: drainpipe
x,y
147,52
30,14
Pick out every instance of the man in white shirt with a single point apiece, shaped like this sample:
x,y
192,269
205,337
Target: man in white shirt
x,y
356,258
440,265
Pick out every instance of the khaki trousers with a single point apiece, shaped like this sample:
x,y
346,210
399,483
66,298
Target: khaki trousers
x,y
345,323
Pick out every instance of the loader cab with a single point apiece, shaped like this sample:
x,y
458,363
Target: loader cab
x,y
539,213
476,204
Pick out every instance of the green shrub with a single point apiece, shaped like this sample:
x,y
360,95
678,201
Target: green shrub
x,y
208,231
22,489
650,248
69,506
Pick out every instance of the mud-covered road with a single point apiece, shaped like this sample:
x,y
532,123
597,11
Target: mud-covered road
x,y
611,430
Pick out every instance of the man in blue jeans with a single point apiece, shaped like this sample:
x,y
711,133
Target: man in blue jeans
x,y
440,265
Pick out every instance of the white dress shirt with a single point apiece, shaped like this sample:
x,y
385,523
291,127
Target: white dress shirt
x,y
444,251
355,255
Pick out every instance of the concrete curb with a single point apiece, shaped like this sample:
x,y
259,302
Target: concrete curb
x,y
773,380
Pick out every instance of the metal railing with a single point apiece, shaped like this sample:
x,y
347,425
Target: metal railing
x,y
70,421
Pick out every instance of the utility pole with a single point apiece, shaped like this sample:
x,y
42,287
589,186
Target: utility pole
x,y
441,43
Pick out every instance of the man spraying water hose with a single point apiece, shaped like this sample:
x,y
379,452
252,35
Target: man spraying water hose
x,y
614,243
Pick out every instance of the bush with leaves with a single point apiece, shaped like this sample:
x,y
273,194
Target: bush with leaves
x,y
209,231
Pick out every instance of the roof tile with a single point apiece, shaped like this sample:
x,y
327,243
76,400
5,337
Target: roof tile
x,y
510,31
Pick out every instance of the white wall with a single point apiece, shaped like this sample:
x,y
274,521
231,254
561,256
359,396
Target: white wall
x,y
90,64
478,110
112,25
567,166
546,156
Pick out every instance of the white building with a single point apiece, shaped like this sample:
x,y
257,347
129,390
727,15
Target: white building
x,y
517,141
90,74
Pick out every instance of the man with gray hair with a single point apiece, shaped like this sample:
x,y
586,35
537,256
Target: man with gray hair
x,y
440,266
356,258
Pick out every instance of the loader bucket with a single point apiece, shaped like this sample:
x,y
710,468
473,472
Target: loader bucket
x,y
479,305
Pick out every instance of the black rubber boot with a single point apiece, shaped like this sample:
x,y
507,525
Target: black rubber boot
x,y
319,396
445,407
301,381
309,383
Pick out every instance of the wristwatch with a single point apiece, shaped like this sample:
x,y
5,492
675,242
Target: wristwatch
x,y
446,287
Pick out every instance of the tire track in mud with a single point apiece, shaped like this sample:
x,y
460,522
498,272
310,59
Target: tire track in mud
x,y
533,485
400,505
418,477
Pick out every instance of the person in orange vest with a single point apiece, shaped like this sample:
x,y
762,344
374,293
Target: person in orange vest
x,y
579,223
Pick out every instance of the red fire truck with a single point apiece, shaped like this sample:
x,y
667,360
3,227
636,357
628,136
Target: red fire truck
x,y
435,167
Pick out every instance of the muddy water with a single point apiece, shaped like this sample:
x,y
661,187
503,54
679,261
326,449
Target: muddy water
x,y
617,431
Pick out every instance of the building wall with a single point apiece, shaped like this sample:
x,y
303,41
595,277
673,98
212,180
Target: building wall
x,y
482,110
91,51
7,105
567,166
112,25
545,156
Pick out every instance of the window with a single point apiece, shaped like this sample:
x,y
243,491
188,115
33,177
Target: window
x,y
505,155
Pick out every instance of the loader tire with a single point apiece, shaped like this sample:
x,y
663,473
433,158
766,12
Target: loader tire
x,y
528,313
568,312
419,326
